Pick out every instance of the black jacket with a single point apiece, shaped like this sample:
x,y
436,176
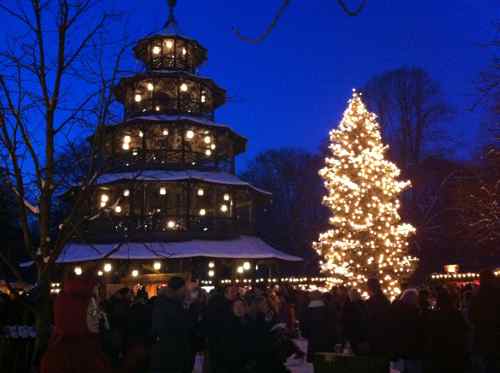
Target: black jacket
x,y
171,351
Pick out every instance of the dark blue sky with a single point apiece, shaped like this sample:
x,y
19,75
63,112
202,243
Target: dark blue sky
x,y
291,89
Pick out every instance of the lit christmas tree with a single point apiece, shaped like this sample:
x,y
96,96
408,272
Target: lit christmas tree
x,y
367,238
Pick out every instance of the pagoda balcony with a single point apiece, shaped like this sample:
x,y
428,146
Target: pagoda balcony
x,y
162,227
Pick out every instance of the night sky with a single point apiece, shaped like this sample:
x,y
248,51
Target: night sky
x,y
291,89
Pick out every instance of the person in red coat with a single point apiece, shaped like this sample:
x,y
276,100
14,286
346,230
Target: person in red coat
x,y
74,346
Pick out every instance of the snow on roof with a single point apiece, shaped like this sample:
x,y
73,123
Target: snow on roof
x,y
244,247
164,175
173,118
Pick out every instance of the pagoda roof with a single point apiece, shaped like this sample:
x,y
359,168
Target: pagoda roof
x,y
219,93
165,175
244,247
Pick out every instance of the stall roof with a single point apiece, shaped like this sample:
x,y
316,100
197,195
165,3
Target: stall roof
x,y
244,247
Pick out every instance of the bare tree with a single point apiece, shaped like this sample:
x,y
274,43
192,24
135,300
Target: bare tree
x,y
344,6
48,95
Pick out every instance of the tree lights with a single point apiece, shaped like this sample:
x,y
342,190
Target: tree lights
x,y
366,238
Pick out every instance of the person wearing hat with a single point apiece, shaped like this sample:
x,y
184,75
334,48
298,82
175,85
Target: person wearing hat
x,y
171,350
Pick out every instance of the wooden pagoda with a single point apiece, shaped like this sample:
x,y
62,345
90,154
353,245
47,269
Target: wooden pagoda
x,y
169,200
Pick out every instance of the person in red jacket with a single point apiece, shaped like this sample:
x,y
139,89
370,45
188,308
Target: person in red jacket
x,y
74,346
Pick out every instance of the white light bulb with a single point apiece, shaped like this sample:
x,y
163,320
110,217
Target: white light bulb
x,y
227,197
135,273
163,191
78,271
100,273
211,265
150,87
189,134
138,98
211,273
156,50
184,87
108,267
200,192
224,208
171,224
184,51
246,266
157,108
169,43
157,266
203,212
240,269
104,198
165,132
127,139
126,193
207,139
212,146
208,152
118,209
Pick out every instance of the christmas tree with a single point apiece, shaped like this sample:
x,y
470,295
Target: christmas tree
x,y
366,238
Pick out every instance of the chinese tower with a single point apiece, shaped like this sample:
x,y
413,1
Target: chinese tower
x,y
169,200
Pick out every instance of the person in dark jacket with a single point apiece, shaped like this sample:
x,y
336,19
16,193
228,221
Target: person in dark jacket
x,y
405,336
171,350
484,315
353,321
319,327
447,350
217,315
378,310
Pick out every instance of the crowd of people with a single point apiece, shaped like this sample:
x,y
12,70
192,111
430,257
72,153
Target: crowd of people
x,y
236,329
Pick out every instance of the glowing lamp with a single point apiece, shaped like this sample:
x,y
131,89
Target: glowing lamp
x,y
156,50
211,265
100,273
246,266
157,266
171,224
184,87
207,139
137,98
78,271
163,191
165,132
223,208
118,209
211,273
208,152
203,212
200,192
189,134
135,273
126,193
240,269
169,44
227,197
107,267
